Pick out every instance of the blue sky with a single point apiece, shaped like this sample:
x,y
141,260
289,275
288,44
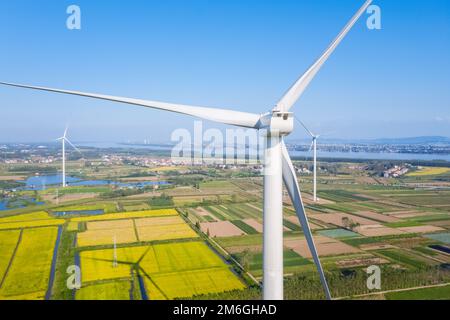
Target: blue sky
x,y
239,54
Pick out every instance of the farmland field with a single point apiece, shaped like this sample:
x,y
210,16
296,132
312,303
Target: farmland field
x,y
128,215
428,172
8,241
166,232
436,293
116,290
106,207
254,261
30,269
106,236
36,219
162,265
189,283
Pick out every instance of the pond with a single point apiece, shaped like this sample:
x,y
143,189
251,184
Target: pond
x,y
17,203
442,237
43,182
338,233
440,248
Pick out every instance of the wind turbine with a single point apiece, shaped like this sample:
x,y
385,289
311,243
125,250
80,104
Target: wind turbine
x,y
314,147
63,140
278,166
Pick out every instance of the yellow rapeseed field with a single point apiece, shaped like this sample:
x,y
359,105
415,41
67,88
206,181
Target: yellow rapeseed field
x,y
72,226
116,290
160,221
152,229
114,224
98,264
189,283
8,243
106,237
40,295
179,257
166,232
31,224
39,215
29,273
171,270
128,215
428,171
29,220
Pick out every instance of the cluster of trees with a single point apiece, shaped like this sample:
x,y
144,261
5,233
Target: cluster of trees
x,y
349,224
345,283
126,192
161,201
33,169
186,180
10,184
141,174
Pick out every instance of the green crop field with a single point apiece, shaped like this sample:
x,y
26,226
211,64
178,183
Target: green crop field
x,y
253,261
244,227
106,207
292,226
407,259
435,293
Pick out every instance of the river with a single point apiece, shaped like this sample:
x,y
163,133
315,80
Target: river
x,y
305,154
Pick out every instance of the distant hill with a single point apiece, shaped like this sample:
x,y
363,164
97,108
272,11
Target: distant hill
x,y
413,140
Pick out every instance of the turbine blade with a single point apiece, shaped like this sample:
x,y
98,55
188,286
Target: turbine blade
x,y
295,92
290,180
311,146
65,132
73,146
231,117
306,128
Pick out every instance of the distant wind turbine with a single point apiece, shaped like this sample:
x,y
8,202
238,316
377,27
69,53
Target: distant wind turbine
x,y
314,147
277,124
63,140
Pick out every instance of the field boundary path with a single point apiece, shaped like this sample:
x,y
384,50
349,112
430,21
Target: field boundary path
x,y
235,261
51,280
394,290
136,230
12,258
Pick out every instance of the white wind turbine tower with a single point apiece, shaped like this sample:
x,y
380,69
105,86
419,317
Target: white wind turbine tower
x,y
314,147
278,166
63,140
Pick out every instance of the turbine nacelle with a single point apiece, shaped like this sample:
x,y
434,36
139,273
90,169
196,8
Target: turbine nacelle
x,y
277,122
